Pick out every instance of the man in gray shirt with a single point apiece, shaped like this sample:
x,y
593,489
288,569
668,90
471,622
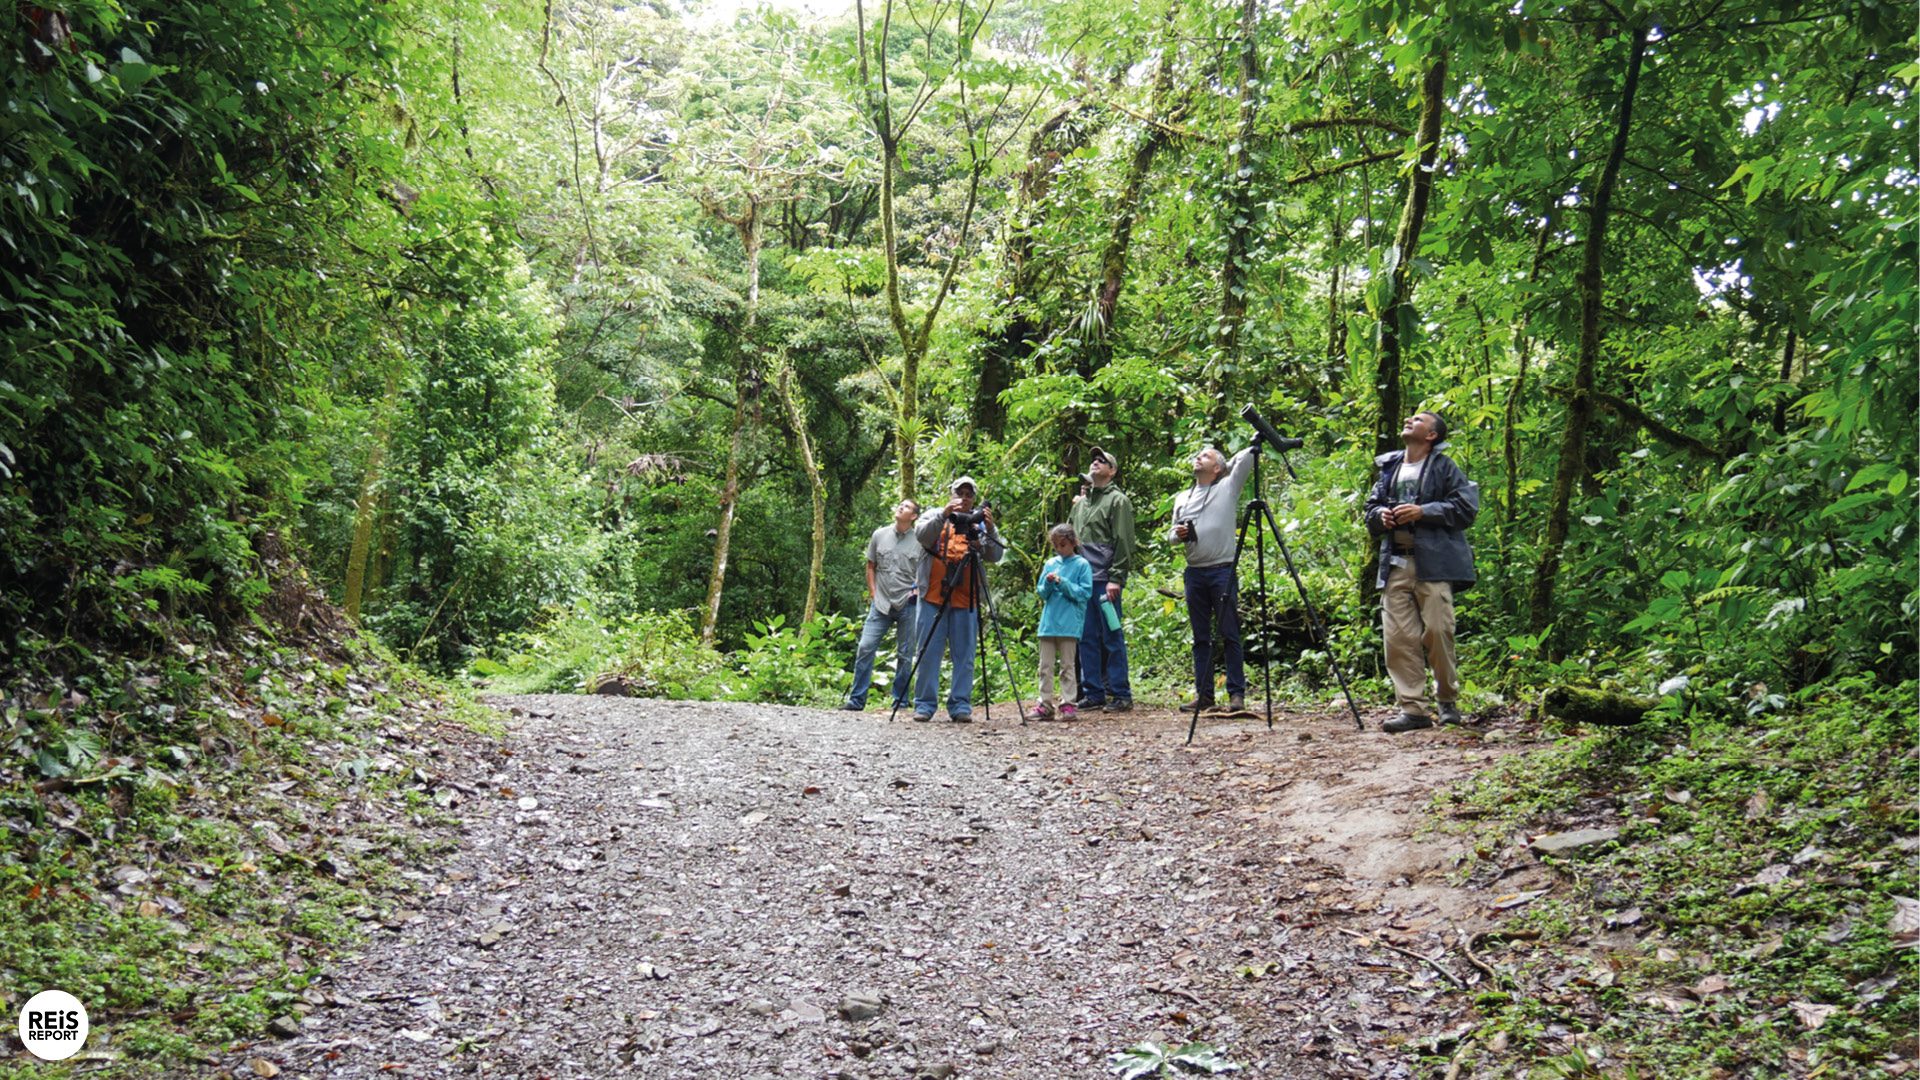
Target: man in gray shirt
x,y
1206,523
894,555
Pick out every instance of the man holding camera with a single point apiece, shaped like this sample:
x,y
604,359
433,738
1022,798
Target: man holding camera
x,y
1205,523
894,556
1103,519
1420,509
952,536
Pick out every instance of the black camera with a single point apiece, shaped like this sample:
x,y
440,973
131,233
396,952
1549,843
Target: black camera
x,y
969,519
1192,533
1265,431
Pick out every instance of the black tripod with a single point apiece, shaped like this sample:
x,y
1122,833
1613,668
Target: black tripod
x,y
970,570
1259,517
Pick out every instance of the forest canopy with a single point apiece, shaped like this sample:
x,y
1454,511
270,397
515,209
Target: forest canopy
x,y
511,318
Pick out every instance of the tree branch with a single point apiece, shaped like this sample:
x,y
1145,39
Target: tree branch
x,y
1628,411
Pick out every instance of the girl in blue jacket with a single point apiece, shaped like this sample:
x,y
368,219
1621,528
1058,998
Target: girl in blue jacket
x,y
1065,584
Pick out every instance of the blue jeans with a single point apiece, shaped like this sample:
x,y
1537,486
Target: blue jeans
x,y
871,633
958,630
1213,598
1103,654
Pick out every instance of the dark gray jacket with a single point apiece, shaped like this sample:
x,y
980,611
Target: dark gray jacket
x,y
1450,502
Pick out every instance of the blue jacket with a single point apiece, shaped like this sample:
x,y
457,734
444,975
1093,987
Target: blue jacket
x,y
1066,608
1450,502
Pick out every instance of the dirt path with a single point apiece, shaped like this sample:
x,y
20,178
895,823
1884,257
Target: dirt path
x,y
696,890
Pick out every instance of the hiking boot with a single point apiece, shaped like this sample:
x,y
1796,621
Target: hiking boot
x,y
1039,712
1089,704
848,706
1406,722
1450,713
1236,703
923,717
1068,712
1197,705
1118,706
963,718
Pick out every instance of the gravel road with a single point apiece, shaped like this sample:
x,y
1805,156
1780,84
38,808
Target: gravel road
x,y
670,889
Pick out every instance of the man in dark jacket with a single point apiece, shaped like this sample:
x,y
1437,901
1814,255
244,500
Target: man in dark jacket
x,y
1419,509
1103,519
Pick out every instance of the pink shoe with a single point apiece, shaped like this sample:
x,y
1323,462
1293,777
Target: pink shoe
x,y
1040,711
1068,712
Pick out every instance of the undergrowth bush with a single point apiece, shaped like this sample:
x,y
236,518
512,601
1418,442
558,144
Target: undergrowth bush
x,y
1768,850
657,654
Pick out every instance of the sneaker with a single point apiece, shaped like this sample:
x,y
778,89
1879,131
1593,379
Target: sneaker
x,y
1068,712
961,718
1119,706
1039,712
1450,713
1197,705
1089,703
848,706
1406,722
923,717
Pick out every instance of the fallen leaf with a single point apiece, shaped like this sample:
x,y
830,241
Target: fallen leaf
x,y
1712,984
1758,806
1514,900
1905,924
263,1067
1812,1015
1680,797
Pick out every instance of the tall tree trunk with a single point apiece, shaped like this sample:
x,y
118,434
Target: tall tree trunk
x,y
1786,375
797,414
746,378
1096,320
1234,275
1509,436
1396,313
1336,315
1007,351
1573,443
366,506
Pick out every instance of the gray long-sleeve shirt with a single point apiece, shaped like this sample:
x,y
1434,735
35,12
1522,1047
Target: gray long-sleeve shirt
x,y
1214,510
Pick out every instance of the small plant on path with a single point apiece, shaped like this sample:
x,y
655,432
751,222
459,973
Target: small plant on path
x,y
1152,1059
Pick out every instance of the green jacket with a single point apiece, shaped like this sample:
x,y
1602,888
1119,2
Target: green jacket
x,y
1104,522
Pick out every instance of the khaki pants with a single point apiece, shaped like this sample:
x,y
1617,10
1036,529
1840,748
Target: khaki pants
x,y
1066,650
1417,621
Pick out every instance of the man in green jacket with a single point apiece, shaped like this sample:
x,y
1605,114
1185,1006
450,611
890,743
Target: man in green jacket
x,y
1103,518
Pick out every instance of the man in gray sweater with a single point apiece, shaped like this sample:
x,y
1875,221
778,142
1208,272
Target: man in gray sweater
x,y
1206,522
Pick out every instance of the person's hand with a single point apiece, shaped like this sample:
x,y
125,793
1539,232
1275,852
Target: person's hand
x,y
1113,593
1182,531
956,505
1407,513
987,512
1055,578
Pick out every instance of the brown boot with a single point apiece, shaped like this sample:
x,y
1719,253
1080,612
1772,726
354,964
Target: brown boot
x,y
1236,703
1198,704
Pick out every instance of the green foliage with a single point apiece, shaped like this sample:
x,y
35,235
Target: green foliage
x,y
653,655
796,665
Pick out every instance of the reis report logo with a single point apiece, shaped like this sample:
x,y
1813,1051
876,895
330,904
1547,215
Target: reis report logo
x,y
53,1025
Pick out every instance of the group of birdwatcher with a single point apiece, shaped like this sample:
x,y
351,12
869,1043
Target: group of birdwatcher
x,y
921,585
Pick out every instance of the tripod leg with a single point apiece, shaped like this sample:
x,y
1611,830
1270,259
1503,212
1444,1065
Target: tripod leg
x,y
925,640
1266,617
1320,632
982,599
